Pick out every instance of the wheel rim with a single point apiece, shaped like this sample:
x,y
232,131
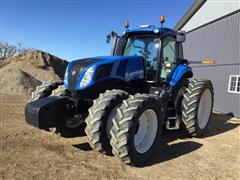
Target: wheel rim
x,y
110,119
204,108
146,132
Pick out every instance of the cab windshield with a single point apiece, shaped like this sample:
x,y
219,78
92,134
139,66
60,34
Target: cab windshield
x,y
148,48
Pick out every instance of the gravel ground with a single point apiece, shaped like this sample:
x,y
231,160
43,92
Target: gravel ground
x,y
29,153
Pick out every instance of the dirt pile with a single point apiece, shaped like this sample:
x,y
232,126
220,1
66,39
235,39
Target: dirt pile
x,y
18,81
23,73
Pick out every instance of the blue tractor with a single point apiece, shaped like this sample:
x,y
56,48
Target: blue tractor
x,y
123,101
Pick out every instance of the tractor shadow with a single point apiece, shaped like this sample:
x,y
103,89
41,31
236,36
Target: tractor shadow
x,y
169,151
220,123
84,146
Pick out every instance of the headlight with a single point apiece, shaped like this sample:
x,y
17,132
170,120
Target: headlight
x,y
66,76
87,77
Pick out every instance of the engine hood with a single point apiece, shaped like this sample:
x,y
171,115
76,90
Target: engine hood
x,y
77,68
103,59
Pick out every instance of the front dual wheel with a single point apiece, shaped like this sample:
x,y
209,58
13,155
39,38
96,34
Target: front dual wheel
x,y
99,120
136,129
127,126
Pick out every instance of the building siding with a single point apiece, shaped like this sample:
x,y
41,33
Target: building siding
x,y
217,41
211,10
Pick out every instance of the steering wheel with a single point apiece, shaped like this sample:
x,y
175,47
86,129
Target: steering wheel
x,y
145,53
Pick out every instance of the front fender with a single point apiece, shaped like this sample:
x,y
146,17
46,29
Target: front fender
x,y
179,72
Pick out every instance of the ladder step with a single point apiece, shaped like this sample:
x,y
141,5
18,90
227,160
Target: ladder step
x,y
172,117
175,127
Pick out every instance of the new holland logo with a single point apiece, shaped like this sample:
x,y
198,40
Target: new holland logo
x,y
73,73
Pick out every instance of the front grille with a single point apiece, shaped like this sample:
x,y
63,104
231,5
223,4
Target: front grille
x,y
74,74
76,68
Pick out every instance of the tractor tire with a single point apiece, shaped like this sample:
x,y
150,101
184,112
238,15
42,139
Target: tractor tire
x,y
44,90
62,129
197,106
178,98
60,91
56,88
99,120
136,130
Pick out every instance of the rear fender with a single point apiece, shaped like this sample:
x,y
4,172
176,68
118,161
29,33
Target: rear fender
x,y
180,72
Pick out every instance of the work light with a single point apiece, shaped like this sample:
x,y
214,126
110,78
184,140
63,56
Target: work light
x,y
87,77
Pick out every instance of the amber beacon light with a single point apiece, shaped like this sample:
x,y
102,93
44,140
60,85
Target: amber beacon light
x,y
126,24
162,19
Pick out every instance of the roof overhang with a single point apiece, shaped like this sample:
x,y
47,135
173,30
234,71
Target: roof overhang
x,y
187,16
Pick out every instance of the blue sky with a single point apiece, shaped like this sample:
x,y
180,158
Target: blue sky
x,y
72,29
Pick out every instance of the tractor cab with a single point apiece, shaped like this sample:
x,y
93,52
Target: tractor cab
x,y
161,49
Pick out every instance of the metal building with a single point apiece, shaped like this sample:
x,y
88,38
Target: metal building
x,y
213,33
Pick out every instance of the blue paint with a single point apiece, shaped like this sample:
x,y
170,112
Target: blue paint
x,y
152,29
134,67
178,73
133,70
68,73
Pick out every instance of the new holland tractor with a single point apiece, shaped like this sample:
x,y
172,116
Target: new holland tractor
x,y
123,101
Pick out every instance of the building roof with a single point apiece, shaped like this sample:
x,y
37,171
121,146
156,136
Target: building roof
x,y
187,16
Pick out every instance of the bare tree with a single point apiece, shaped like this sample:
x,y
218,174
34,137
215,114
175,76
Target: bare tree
x,y
8,50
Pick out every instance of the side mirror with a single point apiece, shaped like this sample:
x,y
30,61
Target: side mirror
x,y
108,38
115,37
111,35
181,36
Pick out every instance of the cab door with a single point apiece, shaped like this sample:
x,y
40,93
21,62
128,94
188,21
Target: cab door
x,y
170,57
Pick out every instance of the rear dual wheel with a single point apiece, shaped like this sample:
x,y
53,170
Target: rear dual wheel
x,y
197,105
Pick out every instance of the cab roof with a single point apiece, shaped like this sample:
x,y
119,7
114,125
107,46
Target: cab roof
x,y
150,29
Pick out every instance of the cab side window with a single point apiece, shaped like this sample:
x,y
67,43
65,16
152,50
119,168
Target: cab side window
x,y
168,56
169,50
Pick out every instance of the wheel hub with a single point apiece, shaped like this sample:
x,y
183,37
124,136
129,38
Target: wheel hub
x,y
74,122
146,131
204,108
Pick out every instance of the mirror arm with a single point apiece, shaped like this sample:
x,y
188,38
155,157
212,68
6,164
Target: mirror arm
x,y
183,61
